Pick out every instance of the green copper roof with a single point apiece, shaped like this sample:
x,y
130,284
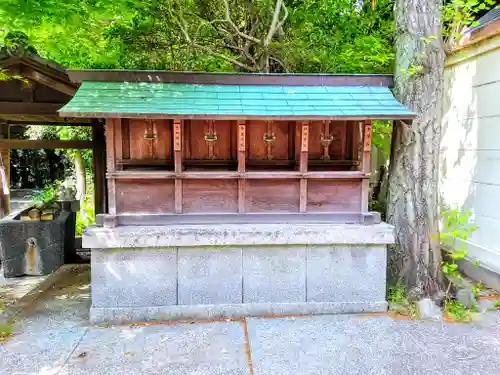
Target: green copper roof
x,y
139,99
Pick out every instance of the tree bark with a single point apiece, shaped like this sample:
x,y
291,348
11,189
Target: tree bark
x,y
413,180
81,182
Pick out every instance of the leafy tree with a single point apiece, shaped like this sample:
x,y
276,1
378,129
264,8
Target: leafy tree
x,y
421,40
350,36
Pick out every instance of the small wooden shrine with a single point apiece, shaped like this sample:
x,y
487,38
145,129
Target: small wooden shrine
x,y
245,163
209,144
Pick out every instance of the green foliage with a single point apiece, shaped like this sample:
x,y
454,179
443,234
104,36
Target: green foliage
x,y
6,331
396,295
458,14
456,226
477,288
4,76
378,205
48,196
382,135
457,311
86,216
342,36
497,305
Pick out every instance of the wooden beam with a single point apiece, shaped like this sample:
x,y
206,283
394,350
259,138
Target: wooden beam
x,y
178,125
304,156
304,146
112,196
110,145
43,143
366,164
28,91
5,154
99,165
178,146
36,76
233,175
178,196
44,120
111,125
384,80
242,184
367,146
241,145
28,109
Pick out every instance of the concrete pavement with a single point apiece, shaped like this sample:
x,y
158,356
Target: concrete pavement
x,y
55,338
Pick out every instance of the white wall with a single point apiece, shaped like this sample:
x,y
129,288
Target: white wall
x,y
470,147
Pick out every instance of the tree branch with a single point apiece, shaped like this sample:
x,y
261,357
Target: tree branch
x,y
275,59
224,57
182,25
245,52
236,28
276,23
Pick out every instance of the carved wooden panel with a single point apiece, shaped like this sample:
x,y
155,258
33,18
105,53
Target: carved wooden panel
x,y
209,140
270,140
328,140
142,139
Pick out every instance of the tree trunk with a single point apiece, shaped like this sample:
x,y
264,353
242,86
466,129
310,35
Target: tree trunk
x,y
413,180
81,183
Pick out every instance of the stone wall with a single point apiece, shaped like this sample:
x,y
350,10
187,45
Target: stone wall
x,y
203,281
470,147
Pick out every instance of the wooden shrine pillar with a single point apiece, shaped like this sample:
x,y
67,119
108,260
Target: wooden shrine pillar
x,y
366,164
5,153
241,165
99,165
178,124
304,152
111,126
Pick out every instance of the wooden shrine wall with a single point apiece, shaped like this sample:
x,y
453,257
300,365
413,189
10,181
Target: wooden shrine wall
x,y
204,166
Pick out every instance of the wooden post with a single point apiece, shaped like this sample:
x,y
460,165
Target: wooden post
x,y
366,164
304,155
99,165
5,154
241,165
178,165
111,125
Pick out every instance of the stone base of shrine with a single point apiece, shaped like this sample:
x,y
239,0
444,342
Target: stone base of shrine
x,y
144,273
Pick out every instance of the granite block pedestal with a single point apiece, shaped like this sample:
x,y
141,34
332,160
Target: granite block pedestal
x,y
142,273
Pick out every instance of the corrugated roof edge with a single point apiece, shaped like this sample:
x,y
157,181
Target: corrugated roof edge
x,y
284,79
408,116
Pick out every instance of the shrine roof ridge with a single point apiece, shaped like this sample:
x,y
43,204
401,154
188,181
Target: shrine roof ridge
x,y
231,78
231,101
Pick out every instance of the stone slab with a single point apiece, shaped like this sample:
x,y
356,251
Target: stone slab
x,y
225,311
348,273
139,277
274,274
36,352
209,276
20,293
330,345
209,349
65,304
223,234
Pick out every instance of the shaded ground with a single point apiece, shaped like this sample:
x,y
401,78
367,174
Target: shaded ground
x,y
55,338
